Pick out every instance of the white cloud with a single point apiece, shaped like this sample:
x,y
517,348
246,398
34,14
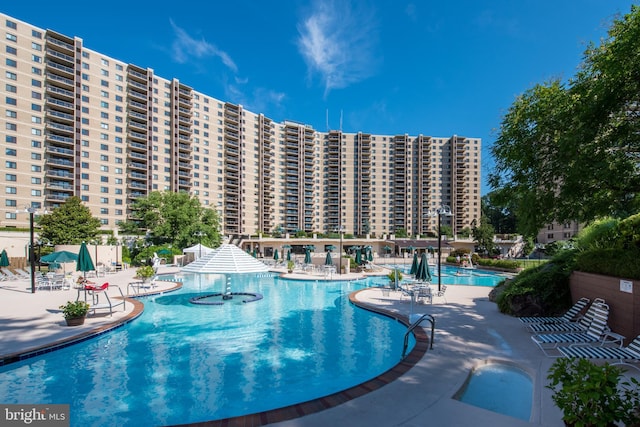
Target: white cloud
x,y
336,40
185,47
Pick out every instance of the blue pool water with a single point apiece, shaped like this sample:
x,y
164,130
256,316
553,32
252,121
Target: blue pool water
x,y
457,276
181,363
500,388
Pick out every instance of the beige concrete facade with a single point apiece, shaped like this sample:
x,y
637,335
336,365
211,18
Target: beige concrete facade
x,y
79,123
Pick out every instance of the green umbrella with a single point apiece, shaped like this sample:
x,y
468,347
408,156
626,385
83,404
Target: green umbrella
x,y
358,255
423,273
307,255
84,263
414,264
328,260
60,257
276,256
4,259
288,254
255,253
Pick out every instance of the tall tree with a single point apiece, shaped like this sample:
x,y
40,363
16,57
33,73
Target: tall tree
x,y
572,151
483,236
175,218
69,224
500,216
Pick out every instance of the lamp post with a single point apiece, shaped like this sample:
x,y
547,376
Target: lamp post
x,y
117,263
443,210
341,231
199,234
32,262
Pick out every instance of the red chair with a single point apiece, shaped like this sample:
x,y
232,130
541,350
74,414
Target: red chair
x,y
95,291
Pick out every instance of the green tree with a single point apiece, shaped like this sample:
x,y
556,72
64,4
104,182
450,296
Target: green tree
x,y
571,151
483,236
500,215
175,218
69,224
401,233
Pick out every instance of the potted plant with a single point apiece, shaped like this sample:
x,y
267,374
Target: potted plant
x,y
393,274
145,273
593,395
290,266
74,312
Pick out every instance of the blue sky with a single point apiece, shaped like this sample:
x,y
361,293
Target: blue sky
x,y
385,67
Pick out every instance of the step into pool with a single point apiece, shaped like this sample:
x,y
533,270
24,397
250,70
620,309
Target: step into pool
x,y
499,387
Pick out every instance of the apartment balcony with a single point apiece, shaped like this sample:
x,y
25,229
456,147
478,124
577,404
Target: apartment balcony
x,y
135,105
59,151
59,139
59,116
59,104
59,127
58,92
134,75
60,69
59,173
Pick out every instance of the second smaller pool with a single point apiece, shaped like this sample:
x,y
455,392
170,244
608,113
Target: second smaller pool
x,y
499,387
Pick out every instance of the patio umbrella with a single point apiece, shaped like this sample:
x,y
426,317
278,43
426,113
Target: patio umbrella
x,y
414,264
288,254
4,259
358,255
164,252
84,262
307,255
423,273
276,256
370,253
255,253
328,260
60,257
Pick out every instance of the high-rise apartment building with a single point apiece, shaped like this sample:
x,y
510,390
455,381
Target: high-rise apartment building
x,y
77,122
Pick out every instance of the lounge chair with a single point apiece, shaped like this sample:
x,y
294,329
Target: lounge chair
x,y
11,275
569,316
22,273
621,355
580,326
596,332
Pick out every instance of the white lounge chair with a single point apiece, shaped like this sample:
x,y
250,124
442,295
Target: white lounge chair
x,y
596,332
580,326
11,275
569,316
22,273
621,355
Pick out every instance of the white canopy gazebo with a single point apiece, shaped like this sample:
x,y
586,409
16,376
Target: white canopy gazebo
x,y
198,250
226,259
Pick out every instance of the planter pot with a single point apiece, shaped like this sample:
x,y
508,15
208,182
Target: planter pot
x,y
75,321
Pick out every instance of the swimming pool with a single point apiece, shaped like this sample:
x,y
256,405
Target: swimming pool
x,y
458,276
184,363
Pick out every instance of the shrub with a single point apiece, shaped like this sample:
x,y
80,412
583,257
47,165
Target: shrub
x,y
593,395
73,309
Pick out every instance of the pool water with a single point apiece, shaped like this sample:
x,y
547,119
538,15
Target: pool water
x,y
501,388
183,363
457,276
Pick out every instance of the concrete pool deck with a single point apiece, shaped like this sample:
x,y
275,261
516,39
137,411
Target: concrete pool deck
x,y
469,330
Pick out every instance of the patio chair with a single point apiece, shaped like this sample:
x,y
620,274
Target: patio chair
x,y
11,275
597,332
579,326
569,316
441,292
24,274
108,303
620,355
